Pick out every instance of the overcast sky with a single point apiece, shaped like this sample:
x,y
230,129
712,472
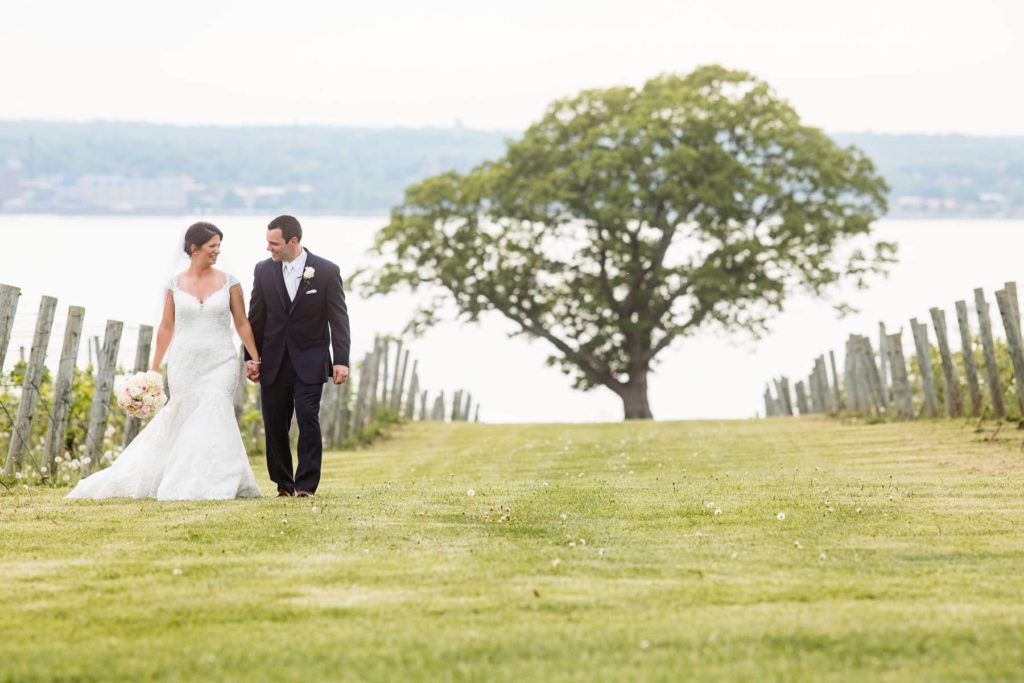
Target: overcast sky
x,y
886,66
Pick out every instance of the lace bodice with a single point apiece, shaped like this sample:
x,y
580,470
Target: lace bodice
x,y
202,322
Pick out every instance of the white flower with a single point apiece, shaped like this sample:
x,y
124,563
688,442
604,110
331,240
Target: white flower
x,y
796,544
564,516
644,644
67,477
176,572
823,557
86,461
600,551
17,475
308,273
555,562
781,516
470,493
718,511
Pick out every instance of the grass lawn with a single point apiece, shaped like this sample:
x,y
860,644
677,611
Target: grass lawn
x,y
617,552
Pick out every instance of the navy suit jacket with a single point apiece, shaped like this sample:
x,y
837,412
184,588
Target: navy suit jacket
x,y
313,328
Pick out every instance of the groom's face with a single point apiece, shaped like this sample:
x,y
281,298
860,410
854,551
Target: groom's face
x,y
279,249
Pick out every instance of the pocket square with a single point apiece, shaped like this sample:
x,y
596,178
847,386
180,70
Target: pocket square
x,y
312,291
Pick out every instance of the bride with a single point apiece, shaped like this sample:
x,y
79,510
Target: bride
x,y
191,449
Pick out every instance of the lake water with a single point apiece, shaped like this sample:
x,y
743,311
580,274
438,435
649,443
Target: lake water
x,y
114,267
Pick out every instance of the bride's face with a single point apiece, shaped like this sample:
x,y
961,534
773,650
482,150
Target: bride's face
x,y
207,254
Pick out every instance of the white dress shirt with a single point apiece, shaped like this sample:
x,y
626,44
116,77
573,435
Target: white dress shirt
x,y
292,273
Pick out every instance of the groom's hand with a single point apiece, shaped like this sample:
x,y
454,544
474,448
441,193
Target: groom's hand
x,y
252,371
340,375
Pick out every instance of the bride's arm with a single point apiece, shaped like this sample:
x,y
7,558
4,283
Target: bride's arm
x,y
242,326
164,331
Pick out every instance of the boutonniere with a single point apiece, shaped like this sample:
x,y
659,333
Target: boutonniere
x,y
308,273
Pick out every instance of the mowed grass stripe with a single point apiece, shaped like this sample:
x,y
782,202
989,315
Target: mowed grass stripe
x,y
639,551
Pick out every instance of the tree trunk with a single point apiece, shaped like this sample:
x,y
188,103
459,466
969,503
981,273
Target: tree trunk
x,y
634,397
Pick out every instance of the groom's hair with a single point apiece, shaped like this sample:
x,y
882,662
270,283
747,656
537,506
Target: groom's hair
x,y
199,234
289,227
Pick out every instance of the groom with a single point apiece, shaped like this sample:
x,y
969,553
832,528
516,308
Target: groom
x,y
299,318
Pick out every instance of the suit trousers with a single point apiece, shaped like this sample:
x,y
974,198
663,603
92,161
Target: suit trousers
x,y
289,395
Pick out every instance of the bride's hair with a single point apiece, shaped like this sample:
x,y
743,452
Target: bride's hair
x,y
199,234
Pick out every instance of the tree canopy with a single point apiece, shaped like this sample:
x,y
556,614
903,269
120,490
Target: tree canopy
x,y
625,219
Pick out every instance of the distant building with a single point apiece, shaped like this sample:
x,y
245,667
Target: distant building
x,y
10,183
128,195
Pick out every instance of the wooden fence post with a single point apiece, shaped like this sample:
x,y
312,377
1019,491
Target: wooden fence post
x,y
132,425
826,388
900,381
456,405
1014,303
1013,340
328,416
423,405
877,378
362,400
837,398
924,362
382,380
769,403
954,401
782,389
399,384
970,367
883,362
414,388
801,399
995,384
62,386
8,307
873,380
21,434
102,392
849,381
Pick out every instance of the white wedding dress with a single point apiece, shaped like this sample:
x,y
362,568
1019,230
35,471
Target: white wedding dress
x,y
191,449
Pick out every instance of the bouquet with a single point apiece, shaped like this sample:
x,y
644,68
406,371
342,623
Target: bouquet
x,y
142,394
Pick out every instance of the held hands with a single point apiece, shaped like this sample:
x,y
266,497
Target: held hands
x,y
252,370
340,374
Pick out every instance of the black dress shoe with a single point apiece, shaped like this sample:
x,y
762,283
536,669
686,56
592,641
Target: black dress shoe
x,y
303,493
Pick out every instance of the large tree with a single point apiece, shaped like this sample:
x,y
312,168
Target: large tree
x,y
627,218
